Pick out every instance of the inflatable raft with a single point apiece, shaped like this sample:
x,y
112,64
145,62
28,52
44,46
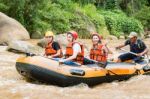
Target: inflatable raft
x,y
50,71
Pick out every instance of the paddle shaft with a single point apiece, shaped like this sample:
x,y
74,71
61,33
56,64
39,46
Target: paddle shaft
x,y
98,63
136,55
131,52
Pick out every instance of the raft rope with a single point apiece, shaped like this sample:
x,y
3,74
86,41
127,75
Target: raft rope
x,y
109,71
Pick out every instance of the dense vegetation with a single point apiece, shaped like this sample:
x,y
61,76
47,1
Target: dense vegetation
x,y
114,17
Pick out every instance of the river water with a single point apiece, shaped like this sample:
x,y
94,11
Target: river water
x,y
14,86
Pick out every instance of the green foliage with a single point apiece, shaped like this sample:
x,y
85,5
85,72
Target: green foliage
x,y
118,23
144,16
14,11
85,2
98,19
91,11
53,17
3,7
117,16
111,4
132,6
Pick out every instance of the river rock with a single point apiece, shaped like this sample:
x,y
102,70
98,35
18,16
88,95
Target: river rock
x,y
111,37
121,37
42,43
148,36
61,39
10,29
24,47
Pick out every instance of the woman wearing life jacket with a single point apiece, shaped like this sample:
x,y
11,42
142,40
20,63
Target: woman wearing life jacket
x,y
98,51
74,51
52,49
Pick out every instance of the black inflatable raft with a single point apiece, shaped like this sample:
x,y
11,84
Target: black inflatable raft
x,y
50,71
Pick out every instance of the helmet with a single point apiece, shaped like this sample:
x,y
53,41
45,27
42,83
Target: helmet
x,y
96,34
49,33
74,34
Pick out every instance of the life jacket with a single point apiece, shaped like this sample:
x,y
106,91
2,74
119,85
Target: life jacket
x,y
69,52
96,54
49,50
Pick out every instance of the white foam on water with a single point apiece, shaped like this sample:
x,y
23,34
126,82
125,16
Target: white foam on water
x,y
137,78
3,48
4,68
13,91
4,82
115,83
8,58
26,98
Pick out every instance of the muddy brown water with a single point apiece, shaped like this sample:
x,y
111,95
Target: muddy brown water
x,y
14,86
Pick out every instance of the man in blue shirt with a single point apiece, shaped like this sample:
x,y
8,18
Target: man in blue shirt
x,y
136,46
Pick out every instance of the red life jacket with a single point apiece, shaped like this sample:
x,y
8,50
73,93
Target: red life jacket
x,y
69,52
96,54
49,50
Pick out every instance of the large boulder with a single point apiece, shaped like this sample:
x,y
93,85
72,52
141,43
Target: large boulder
x,y
11,29
148,36
24,47
62,39
42,43
147,33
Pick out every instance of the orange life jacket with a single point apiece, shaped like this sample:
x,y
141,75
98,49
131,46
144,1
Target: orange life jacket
x,y
49,50
96,54
69,52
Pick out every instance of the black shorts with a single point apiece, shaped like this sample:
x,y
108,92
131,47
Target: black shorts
x,y
127,56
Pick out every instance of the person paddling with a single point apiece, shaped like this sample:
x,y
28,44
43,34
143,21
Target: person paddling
x,y
74,51
52,49
136,46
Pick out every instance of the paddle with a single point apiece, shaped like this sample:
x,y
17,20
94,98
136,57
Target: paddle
x,y
135,53
101,64
91,61
130,52
78,64
145,67
32,54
